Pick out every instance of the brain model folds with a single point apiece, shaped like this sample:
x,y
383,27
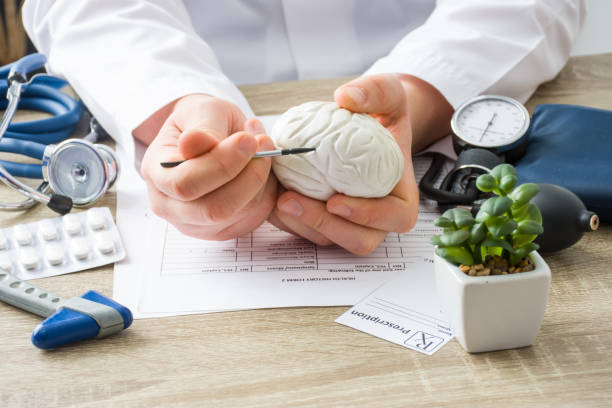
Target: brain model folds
x,y
355,154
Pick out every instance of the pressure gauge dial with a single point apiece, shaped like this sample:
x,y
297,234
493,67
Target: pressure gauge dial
x,y
493,122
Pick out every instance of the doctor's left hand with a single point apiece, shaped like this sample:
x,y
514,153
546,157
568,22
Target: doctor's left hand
x,y
360,224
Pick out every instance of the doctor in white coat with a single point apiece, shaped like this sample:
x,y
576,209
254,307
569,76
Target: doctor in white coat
x,y
165,72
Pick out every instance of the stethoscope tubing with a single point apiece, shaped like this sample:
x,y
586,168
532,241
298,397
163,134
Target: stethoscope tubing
x,y
26,148
31,149
25,170
66,112
23,66
41,93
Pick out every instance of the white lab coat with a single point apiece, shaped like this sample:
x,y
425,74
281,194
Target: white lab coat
x,y
128,58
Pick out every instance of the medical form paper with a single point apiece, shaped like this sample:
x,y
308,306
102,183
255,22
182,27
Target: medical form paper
x,y
404,311
168,273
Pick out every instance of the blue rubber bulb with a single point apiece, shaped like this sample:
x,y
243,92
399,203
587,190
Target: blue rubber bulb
x,y
67,326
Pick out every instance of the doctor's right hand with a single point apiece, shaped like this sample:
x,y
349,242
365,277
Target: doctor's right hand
x,y
220,192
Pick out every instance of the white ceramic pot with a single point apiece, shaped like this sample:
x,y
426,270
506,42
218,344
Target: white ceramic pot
x,y
494,312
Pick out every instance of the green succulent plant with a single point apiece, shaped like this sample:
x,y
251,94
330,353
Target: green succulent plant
x,y
506,224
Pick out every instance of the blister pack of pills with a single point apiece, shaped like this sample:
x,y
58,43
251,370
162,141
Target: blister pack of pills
x,y
55,246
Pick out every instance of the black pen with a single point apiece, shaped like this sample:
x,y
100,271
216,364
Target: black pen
x,y
268,153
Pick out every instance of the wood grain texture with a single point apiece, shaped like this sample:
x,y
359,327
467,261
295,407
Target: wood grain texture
x,y
300,357
269,99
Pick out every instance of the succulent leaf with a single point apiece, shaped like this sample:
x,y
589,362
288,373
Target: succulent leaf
x,y
519,212
522,252
527,212
478,233
482,216
502,170
435,240
454,238
520,240
486,182
530,227
460,217
500,226
443,222
490,242
533,213
523,193
456,255
507,183
496,206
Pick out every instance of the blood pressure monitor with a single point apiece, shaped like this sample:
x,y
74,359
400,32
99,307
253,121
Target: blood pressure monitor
x,y
493,122
487,130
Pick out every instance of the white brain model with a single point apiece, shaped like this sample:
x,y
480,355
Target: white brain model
x,y
355,154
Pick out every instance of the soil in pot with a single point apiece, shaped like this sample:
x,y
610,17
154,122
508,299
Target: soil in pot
x,y
496,265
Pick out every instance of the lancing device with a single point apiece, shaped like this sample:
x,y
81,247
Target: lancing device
x,y
268,153
92,315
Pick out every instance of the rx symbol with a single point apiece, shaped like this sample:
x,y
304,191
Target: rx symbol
x,y
424,341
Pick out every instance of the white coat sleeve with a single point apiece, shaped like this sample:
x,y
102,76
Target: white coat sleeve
x,y
126,58
470,47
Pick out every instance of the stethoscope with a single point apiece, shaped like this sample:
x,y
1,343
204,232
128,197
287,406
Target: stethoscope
x,y
74,171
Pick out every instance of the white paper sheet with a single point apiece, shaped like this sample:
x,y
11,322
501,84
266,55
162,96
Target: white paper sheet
x,y
168,273
404,311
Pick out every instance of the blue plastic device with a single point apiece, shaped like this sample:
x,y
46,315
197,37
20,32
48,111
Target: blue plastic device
x,y
92,315
68,326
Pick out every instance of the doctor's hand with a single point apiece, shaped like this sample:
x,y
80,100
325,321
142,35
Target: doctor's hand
x,y
220,192
361,224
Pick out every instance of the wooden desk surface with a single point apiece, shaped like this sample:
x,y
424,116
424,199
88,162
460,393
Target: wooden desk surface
x,y
300,357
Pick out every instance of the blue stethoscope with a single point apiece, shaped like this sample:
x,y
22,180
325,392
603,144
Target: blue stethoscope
x,y
77,171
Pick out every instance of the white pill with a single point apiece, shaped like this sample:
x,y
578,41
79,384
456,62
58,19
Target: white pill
x,y
72,224
80,248
22,234
28,258
54,254
5,263
104,242
95,219
3,241
48,230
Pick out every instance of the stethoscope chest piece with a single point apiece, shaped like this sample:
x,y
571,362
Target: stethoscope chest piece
x,y
80,170
77,171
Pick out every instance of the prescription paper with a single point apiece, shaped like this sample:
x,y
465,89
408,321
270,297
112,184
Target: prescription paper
x,y
167,273
404,311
